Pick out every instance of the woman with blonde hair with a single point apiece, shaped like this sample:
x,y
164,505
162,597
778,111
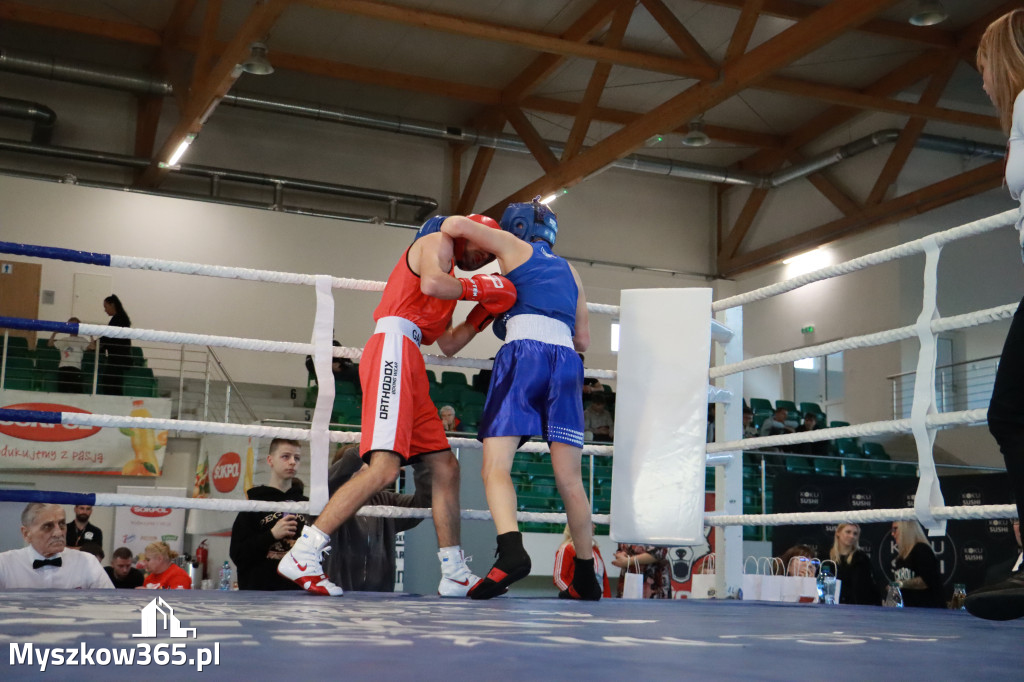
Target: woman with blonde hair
x,y
917,568
853,567
163,574
1001,63
565,567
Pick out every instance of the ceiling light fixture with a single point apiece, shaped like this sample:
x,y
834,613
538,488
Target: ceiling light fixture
x,y
180,151
257,63
695,135
928,13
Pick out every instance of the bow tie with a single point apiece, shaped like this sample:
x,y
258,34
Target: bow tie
x,y
39,563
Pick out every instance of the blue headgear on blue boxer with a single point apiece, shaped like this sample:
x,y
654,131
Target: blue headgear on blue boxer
x,y
530,221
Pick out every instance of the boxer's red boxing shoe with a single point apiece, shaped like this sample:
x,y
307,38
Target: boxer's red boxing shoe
x,y
513,564
302,566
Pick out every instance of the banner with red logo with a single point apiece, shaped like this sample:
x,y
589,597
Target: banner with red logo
x,y
91,449
225,470
137,526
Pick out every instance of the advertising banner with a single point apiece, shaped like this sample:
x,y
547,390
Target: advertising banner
x,y
88,449
225,470
137,526
968,553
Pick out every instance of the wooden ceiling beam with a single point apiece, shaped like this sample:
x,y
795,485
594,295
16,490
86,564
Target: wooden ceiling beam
x,y
895,81
77,23
675,30
950,190
534,142
214,85
595,87
804,37
739,230
744,28
788,9
493,32
829,189
586,27
207,42
853,98
912,131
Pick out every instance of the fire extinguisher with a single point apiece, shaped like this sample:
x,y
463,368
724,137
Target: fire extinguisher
x,y
202,555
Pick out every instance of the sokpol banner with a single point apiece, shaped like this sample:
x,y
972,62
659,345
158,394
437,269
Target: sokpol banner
x,y
224,470
137,526
90,449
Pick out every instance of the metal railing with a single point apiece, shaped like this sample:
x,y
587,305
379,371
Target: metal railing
x,y
193,377
958,386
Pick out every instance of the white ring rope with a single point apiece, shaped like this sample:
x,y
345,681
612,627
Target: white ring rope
x,y
964,321
218,504
917,246
223,271
867,429
990,511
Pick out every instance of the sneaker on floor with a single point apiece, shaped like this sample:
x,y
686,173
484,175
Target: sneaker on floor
x,y
1001,601
458,583
302,564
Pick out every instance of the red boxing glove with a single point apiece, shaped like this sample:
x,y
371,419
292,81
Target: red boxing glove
x,y
495,293
479,318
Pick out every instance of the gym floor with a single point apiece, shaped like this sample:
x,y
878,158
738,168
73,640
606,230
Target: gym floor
x,y
274,636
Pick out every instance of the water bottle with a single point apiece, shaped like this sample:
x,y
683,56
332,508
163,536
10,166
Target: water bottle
x,y
959,595
893,597
225,576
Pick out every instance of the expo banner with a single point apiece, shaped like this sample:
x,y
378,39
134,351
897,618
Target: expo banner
x,y
225,470
972,552
137,526
88,449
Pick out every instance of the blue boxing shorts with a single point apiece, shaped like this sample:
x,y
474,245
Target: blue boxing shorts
x,y
536,390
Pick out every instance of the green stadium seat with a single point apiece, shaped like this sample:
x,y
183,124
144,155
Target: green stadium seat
x,y
470,414
799,465
20,373
790,407
761,404
829,467
811,407
345,388
453,379
471,397
138,358
47,358
836,425
431,377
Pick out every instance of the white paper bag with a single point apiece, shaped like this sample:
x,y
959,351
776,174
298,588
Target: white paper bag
x,y
633,586
702,585
771,584
751,584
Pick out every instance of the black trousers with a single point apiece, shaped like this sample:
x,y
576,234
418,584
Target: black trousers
x,y
1006,411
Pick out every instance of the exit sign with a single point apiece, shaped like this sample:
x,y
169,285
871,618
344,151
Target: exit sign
x,y
809,329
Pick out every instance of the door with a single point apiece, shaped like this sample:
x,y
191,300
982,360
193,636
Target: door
x,y
19,294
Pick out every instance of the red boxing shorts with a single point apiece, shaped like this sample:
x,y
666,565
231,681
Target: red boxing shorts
x,y
398,414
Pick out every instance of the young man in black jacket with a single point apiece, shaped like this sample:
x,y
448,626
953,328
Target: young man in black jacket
x,y
260,539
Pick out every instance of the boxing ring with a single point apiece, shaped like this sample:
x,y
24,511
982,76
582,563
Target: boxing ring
x,y
265,635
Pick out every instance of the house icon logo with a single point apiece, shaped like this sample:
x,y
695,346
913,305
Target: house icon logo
x,y
156,611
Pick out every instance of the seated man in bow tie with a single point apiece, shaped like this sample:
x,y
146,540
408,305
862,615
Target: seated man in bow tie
x,y
44,563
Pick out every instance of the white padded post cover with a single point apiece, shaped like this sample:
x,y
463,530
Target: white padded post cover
x,y
661,411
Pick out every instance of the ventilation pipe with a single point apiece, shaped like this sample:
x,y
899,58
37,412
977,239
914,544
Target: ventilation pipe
x,y
43,118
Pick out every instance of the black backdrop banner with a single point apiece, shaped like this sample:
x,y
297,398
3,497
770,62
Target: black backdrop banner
x,y
973,552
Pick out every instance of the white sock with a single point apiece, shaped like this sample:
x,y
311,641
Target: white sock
x,y
315,535
451,559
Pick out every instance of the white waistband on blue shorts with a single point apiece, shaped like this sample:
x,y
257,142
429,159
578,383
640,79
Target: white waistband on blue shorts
x,y
538,328
399,325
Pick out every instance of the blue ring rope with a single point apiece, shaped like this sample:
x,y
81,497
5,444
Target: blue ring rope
x,y
90,257
48,497
39,325
37,416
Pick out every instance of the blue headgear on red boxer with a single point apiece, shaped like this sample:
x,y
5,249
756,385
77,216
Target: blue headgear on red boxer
x,y
530,221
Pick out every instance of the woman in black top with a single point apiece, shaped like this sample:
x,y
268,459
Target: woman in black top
x,y
116,352
853,567
917,567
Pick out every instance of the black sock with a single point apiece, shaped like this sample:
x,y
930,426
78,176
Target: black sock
x,y
584,582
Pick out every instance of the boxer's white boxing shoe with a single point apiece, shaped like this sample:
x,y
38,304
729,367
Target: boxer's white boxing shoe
x,y
456,578
302,566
